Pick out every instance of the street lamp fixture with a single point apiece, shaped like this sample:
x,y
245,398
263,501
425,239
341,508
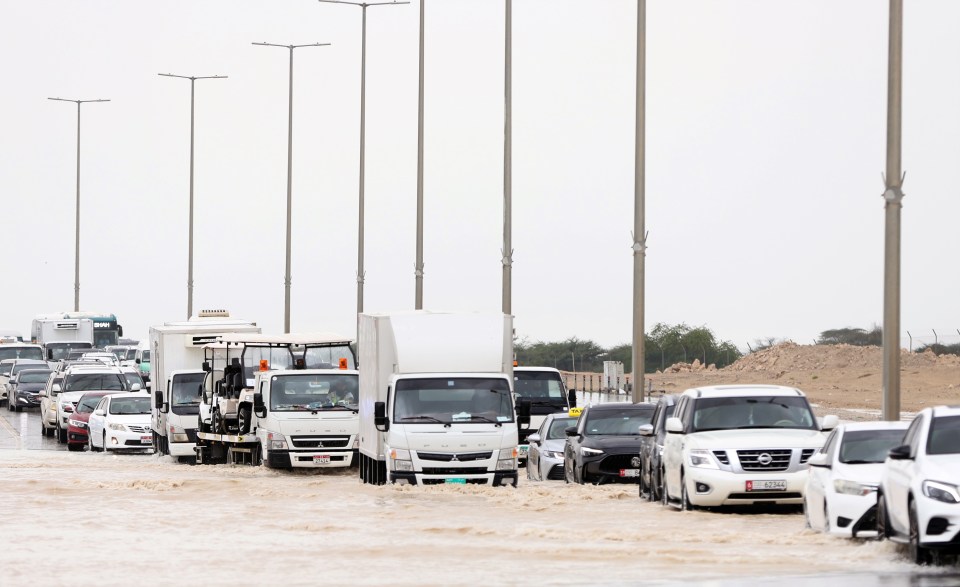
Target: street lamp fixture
x,y
193,80
76,274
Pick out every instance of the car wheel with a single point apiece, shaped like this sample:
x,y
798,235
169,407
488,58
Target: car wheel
x,y
806,516
664,498
103,447
653,494
918,554
61,434
826,518
90,443
685,504
74,446
883,520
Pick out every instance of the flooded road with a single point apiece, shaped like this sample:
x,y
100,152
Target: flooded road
x,y
145,518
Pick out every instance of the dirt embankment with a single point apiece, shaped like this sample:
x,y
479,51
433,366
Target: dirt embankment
x,y
840,379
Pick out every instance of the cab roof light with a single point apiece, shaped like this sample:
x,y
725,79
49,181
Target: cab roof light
x,y
264,365
343,363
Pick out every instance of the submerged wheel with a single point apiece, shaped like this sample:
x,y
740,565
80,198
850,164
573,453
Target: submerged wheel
x,y
883,521
256,459
685,504
918,554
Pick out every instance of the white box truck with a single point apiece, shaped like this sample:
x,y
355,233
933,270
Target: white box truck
x,y
436,402
613,379
175,358
59,335
544,390
287,401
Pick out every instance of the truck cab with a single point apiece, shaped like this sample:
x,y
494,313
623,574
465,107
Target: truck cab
x,y
543,389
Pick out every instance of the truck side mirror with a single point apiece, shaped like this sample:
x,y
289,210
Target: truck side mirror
x,y
572,398
523,413
206,366
380,419
258,407
158,400
137,361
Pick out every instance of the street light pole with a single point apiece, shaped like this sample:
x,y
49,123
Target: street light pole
x,y
418,267
286,277
193,80
639,195
76,269
507,253
363,135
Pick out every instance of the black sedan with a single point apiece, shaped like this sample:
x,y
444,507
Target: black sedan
x,y
604,446
652,445
25,389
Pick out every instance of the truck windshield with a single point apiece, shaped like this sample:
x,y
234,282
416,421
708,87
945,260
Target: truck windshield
x,y
543,389
186,388
731,413
21,352
59,350
446,400
314,392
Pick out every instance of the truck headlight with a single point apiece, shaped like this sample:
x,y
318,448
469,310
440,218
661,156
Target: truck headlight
x,y
507,464
118,426
178,434
590,452
400,458
276,441
852,487
941,491
702,459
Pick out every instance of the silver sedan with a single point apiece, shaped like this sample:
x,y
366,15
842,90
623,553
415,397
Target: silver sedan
x,y
545,457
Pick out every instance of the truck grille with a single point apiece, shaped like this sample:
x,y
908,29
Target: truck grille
x,y
320,441
754,460
448,457
454,471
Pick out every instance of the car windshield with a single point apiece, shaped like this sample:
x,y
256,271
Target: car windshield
x,y
186,389
5,368
869,446
90,381
558,428
33,376
448,400
130,405
731,413
310,393
15,352
944,438
88,404
622,422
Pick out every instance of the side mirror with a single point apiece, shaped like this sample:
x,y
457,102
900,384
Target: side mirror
x,y
674,425
829,423
820,460
380,419
258,406
206,366
900,453
100,412
137,361
571,431
572,397
523,413
135,387
43,393
158,400
646,430
533,438
56,388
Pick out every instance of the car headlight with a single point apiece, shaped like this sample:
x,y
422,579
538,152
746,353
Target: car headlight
x,y
78,423
400,457
852,487
117,426
590,452
941,491
550,454
702,459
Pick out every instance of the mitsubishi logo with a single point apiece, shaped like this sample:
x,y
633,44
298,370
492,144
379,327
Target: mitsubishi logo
x,y
454,458
765,459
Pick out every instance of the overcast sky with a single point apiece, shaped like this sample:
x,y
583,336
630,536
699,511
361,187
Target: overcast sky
x,y
765,147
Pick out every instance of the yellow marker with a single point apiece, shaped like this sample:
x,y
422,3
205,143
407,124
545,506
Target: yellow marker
x,y
575,412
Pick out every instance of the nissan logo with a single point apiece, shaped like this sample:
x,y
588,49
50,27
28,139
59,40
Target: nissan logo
x,y
765,459
635,462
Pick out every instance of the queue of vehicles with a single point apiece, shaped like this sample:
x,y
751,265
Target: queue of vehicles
x,y
460,412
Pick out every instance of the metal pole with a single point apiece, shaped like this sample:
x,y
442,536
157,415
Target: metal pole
x,y
286,277
418,267
363,162
76,269
193,79
507,252
639,230
893,197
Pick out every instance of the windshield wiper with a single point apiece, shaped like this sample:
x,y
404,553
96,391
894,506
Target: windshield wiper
x,y
543,403
430,418
474,417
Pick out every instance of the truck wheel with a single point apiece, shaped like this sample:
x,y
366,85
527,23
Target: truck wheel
x,y
216,422
256,459
243,420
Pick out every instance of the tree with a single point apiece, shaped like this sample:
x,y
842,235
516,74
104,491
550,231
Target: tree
x,y
854,336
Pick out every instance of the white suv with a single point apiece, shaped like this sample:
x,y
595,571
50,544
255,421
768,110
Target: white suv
x,y
919,495
78,380
739,445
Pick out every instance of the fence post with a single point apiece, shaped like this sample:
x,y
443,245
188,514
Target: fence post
x,y
910,336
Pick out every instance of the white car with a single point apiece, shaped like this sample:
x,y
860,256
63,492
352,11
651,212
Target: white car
x,y
841,492
918,501
545,457
739,445
121,421
77,381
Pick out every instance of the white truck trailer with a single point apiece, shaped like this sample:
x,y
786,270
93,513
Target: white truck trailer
x,y
287,401
436,402
176,357
613,379
59,335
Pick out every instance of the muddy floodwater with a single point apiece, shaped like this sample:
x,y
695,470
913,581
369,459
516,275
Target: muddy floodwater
x,y
83,519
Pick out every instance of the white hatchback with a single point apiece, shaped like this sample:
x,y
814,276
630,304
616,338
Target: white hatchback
x,y
841,491
918,502
121,421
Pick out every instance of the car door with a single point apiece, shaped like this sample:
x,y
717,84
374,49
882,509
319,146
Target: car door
x,y
571,450
673,452
818,480
898,474
648,445
95,423
533,453
47,398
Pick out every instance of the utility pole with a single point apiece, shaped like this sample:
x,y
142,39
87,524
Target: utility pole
x,y
418,267
507,252
639,230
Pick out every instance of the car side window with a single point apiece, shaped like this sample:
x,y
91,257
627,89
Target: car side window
x,y
582,421
912,437
102,405
830,446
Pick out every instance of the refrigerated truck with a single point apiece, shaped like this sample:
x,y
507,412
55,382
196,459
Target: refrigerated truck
x,y
176,357
286,401
436,403
59,335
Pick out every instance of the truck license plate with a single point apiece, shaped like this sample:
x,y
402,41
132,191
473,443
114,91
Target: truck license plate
x,y
146,440
767,485
629,472
321,459
456,480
